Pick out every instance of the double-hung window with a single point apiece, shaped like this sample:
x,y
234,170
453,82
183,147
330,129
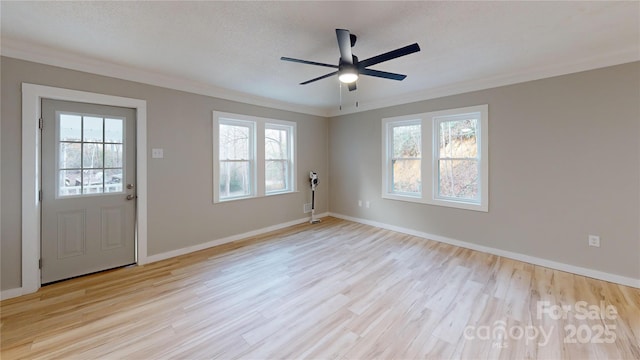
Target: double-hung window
x,y
253,156
458,158
236,158
404,156
438,158
278,139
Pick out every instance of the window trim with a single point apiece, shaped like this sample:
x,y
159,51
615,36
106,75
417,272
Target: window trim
x,y
258,187
429,176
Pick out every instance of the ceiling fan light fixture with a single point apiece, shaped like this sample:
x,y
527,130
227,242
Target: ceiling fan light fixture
x,y
348,76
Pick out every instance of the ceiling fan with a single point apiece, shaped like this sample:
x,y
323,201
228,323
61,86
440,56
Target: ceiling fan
x,y
349,67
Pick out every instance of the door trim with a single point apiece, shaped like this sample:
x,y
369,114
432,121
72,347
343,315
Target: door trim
x,y
32,95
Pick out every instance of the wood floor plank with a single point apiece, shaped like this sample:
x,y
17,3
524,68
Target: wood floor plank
x,y
334,290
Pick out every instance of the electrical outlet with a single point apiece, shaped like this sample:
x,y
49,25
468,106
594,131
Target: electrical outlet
x,y
594,240
306,208
367,204
360,203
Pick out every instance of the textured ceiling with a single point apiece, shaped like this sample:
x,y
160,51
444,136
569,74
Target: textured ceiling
x,y
232,49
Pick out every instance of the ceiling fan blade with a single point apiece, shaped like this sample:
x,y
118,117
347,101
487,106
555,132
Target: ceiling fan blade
x,y
409,49
352,86
308,62
318,78
382,74
344,43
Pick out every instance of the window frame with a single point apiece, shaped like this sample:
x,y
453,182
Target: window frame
x,y
290,129
388,158
251,151
257,147
429,168
82,168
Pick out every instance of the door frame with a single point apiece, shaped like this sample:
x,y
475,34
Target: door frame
x,y
32,96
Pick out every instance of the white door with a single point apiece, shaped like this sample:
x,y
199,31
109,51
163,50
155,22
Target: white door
x,y
88,189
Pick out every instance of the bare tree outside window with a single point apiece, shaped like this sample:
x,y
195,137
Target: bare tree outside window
x,y
406,158
235,160
253,157
277,158
438,158
458,159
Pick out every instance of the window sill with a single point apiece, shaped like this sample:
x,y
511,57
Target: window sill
x,y
222,201
408,198
439,202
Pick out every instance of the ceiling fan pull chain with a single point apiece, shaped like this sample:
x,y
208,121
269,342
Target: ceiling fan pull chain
x,y
340,91
356,99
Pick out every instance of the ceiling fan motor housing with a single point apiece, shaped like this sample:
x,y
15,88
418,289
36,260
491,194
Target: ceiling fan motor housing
x,y
346,67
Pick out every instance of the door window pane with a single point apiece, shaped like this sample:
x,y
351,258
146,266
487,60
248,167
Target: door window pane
x,y
113,130
94,162
92,129
70,182
92,155
70,127
70,155
92,181
113,180
113,155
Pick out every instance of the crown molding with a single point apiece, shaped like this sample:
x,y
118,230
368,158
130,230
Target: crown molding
x,y
55,57
628,55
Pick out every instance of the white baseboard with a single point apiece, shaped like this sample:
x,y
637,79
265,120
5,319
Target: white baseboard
x,y
228,239
600,275
10,293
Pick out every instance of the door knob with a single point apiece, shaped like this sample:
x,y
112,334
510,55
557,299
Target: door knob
x,y
129,186
131,197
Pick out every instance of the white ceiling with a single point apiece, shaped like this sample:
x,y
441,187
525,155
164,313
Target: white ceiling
x,y
232,49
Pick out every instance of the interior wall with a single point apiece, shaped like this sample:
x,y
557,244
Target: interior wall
x,y
181,212
564,162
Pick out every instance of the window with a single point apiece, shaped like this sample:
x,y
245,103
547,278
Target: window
x,y
278,159
89,154
404,155
438,158
457,157
253,156
236,157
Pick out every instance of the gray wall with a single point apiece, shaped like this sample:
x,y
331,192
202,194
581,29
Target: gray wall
x,y
180,208
564,163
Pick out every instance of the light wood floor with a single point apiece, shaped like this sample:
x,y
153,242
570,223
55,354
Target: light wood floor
x,y
335,290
